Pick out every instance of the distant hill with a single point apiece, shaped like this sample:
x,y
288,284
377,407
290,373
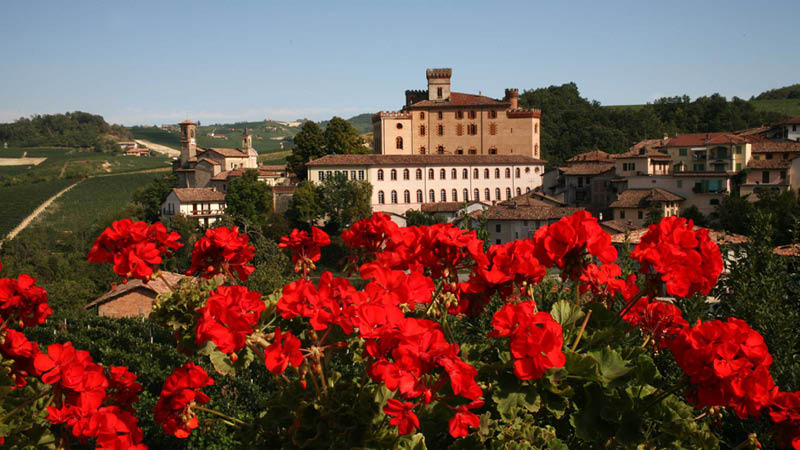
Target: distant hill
x,y
269,136
788,92
788,107
72,129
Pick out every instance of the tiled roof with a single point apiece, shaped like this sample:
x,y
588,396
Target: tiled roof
x,y
619,225
229,152
793,120
718,237
752,131
503,211
198,195
764,145
157,286
459,99
378,160
587,168
639,198
534,198
703,139
188,122
442,207
210,161
788,250
769,163
643,151
596,155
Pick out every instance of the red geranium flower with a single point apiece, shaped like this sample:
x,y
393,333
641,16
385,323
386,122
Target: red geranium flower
x,y
23,301
402,416
562,244
134,248
181,391
222,249
602,281
228,317
464,419
305,249
662,322
284,350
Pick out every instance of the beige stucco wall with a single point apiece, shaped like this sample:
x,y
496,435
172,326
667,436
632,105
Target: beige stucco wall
x,y
736,160
683,185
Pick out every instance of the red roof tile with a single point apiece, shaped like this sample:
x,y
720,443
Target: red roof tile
x,y
703,139
596,155
229,152
198,195
587,169
460,99
377,160
640,198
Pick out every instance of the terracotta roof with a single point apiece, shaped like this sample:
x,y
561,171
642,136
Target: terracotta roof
x,y
640,198
703,139
718,237
643,151
538,198
188,122
787,250
505,212
596,155
752,131
276,167
210,161
377,160
769,164
442,207
157,286
764,145
619,225
198,194
587,168
230,152
459,99
793,120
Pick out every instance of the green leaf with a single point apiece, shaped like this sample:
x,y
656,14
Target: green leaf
x,y
222,364
583,366
611,364
646,370
413,442
565,313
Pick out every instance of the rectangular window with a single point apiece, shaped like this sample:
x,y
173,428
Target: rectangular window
x,y
641,214
328,174
459,114
493,114
621,213
321,175
361,175
352,174
699,167
497,228
440,115
738,149
440,130
439,92
765,176
472,114
422,130
683,152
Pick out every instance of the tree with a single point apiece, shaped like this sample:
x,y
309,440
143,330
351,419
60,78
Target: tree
x,y
734,214
304,209
654,213
152,196
416,218
342,139
693,213
249,199
309,144
343,202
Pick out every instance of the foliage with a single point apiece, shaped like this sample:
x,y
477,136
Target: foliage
x,y
792,91
654,213
249,199
309,144
693,213
72,129
343,202
415,218
736,214
342,139
304,208
153,195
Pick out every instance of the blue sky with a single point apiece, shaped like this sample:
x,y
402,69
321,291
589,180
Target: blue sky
x,y
143,62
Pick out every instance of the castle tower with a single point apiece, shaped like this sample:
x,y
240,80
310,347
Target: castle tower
x,y
439,84
188,141
512,95
247,140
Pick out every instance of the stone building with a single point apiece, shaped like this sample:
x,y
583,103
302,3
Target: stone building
x,y
134,298
632,204
440,121
197,166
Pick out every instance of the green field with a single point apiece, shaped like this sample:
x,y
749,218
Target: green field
x,y
17,202
93,200
72,163
790,106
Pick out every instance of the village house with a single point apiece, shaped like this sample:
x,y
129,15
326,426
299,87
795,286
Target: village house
x,y
708,152
438,121
789,129
207,205
134,298
403,182
520,217
632,205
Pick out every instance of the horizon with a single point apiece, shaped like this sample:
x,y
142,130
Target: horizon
x,y
150,63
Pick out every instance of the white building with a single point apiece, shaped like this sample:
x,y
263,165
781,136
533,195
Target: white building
x,y
207,205
788,129
403,182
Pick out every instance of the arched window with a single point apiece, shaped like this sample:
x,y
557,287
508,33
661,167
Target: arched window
x,y
440,150
465,174
380,174
419,174
405,174
453,174
422,150
393,174
476,174
497,194
455,195
406,196
536,150
419,195
517,172
443,195
487,194
399,142
476,195
430,174
508,173
519,192
527,189
536,169
381,200
508,193
442,174
497,173
466,195
394,196
486,173
431,196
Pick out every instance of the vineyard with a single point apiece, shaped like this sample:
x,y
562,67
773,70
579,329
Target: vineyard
x,y
19,201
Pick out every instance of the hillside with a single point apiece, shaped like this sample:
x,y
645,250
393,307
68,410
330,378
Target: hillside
x,y
787,92
789,107
72,129
362,123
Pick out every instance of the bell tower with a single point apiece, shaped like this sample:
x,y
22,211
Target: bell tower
x,y
247,140
188,141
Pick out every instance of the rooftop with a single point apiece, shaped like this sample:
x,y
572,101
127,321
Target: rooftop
x,y
596,155
587,168
718,237
640,198
390,160
534,198
643,150
769,164
764,145
229,152
619,225
788,250
157,286
461,99
442,207
198,195
703,139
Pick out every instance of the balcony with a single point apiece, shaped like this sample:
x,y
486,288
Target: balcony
x,y
206,212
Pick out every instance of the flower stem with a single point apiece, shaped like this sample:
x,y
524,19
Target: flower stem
x,y
23,405
217,413
580,333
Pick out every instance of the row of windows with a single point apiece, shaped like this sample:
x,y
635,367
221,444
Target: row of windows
x,y
453,173
472,130
329,173
460,114
459,151
476,195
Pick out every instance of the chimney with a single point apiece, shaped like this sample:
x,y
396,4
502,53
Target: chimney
x,y
439,84
512,95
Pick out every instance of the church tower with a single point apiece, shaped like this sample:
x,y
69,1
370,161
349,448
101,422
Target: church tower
x,y
247,140
188,141
247,147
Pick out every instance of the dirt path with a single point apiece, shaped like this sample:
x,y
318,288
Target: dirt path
x,y
169,151
39,209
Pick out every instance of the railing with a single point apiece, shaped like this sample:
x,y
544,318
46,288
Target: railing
x,y
207,212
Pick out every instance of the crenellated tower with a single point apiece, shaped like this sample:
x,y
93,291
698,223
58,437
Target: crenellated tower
x,y
439,84
512,95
